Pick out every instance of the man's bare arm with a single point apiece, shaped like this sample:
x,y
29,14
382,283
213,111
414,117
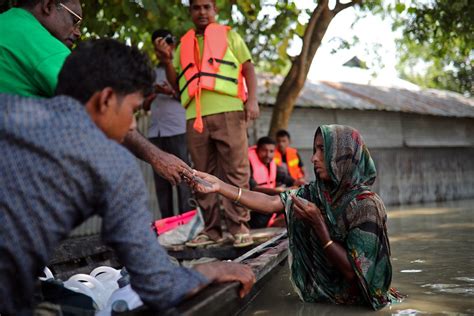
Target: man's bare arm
x,y
252,110
166,165
172,76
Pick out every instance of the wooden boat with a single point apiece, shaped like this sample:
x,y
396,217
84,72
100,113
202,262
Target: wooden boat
x,y
81,255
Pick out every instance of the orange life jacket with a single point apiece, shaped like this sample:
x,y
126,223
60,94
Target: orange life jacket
x,y
264,177
292,161
216,70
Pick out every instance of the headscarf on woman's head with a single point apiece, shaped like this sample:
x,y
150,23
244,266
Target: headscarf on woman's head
x,y
347,159
349,166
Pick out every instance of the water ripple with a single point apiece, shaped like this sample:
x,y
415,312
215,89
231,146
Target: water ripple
x,y
407,312
465,279
450,288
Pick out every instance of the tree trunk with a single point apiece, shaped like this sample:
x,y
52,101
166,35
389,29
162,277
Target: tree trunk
x,y
296,77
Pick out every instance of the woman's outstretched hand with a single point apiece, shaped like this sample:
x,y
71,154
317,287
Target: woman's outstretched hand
x,y
202,182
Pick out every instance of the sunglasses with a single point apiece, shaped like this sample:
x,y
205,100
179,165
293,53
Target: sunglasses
x,y
76,18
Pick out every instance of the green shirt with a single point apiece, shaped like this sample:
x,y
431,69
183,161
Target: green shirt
x,y
212,102
30,57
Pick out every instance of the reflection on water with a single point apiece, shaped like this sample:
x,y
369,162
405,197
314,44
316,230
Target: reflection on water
x,y
433,263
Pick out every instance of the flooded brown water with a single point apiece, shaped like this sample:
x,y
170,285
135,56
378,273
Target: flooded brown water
x,y
433,263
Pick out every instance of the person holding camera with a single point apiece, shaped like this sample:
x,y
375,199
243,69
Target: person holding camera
x,y
168,131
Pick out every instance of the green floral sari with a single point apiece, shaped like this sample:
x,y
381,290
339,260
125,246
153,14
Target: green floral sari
x,y
355,217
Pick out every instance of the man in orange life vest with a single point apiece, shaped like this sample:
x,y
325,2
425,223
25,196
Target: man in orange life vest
x,y
286,155
266,177
212,70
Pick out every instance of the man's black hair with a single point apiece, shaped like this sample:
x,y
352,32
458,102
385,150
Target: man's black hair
x,y
265,141
97,64
283,133
160,33
31,3
191,2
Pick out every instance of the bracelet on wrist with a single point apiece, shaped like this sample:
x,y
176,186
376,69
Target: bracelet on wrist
x,y
329,243
237,199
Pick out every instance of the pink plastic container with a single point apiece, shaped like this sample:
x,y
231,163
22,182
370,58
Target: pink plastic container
x,y
166,224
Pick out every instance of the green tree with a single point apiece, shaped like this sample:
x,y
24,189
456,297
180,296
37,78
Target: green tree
x,y
132,21
438,38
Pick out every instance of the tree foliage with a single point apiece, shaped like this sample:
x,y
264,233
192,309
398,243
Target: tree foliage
x,y
133,21
440,34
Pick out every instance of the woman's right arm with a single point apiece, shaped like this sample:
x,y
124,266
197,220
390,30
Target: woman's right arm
x,y
256,201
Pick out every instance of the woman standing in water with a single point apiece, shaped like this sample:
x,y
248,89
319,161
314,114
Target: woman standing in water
x,y
339,248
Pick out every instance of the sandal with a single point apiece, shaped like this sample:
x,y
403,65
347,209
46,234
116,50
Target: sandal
x,y
242,240
200,241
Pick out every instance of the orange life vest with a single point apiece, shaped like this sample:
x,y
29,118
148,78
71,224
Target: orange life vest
x,y
292,161
264,177
217,69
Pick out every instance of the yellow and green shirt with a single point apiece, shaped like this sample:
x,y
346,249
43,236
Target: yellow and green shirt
x,y
213,102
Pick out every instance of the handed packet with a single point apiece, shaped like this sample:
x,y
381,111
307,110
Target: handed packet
x,y
197,179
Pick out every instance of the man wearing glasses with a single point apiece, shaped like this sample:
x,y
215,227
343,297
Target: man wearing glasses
x,y
35,39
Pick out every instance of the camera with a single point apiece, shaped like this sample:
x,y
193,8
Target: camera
x,y
169,39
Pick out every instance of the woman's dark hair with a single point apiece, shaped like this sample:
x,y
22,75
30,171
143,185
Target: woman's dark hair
x,y
97,64
318,131
265,141
283,133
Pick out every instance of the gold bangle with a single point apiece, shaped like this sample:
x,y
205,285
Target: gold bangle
x,y
238,196
329,243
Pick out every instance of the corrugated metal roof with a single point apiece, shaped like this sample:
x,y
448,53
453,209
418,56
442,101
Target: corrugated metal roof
x,y
344,95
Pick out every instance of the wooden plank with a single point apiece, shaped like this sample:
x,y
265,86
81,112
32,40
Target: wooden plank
x,y
81,255
226,252
261,247
79,247
223,299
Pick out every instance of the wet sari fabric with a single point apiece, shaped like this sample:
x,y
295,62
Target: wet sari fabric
x,y
355,217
